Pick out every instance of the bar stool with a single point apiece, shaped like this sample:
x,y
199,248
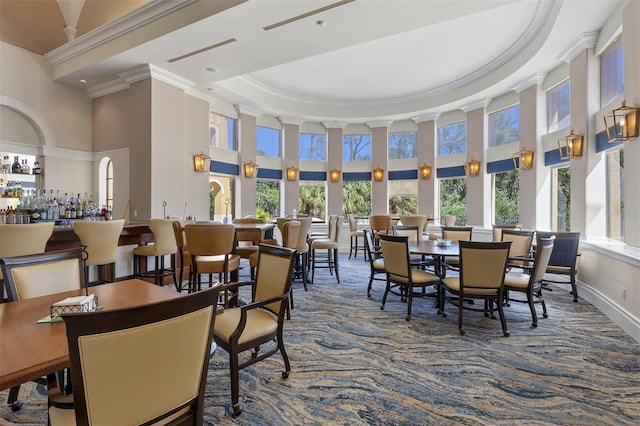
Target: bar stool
x,y
164,244
355,234
101,241
330,261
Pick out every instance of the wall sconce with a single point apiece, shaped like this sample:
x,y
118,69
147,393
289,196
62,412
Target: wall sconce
x,y
424,171
622,123
201,162
378,174
523,159
334,175
472,167
570,146
251,169
292,173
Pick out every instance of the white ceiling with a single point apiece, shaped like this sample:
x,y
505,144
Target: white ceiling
x,y
370,60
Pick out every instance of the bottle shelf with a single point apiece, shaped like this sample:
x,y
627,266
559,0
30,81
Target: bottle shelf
x,y
17,177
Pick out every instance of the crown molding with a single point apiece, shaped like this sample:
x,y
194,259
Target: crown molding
x,y
532,80
133,75
483,103
379,123
289,119
245,109
583,42
334,124
426,117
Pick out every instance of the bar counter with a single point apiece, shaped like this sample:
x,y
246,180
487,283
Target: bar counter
x,y
63,236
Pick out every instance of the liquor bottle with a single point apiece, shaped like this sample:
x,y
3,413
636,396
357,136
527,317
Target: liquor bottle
x,y
36,170
26,170
16,167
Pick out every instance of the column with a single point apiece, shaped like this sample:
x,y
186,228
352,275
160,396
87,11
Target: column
x,y
291,158
478,187
427,148
379,158
246,187
334,161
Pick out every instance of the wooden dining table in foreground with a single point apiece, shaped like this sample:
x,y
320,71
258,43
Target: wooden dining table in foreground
x,y
30,350
438,252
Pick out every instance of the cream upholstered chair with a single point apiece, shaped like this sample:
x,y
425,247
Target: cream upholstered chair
x,y
302,250
520,246
164,244
119,360
564,258
531,283
376,261
41,274
101,241
18,240
414,235
482,271
247,240
330,244
402,278
497,230
380,224
211,247
258,324
184,257
456,233
418,220
355,234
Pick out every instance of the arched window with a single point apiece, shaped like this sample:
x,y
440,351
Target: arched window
x,y
105,182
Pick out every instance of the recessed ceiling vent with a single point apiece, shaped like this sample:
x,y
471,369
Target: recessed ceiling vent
x,y
306,15
204,49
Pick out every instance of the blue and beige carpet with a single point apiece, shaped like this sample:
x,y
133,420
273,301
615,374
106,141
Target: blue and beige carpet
x,y
354,364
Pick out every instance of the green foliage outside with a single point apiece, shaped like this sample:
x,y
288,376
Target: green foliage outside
x,y
453,199
212,203
564,199
267,198
507,198
403,204
356,198
312,200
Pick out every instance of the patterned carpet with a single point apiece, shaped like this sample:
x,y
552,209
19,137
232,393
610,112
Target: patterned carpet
x,y
353,364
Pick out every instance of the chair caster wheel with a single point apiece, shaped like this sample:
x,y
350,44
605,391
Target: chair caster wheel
x,y
462,332
408,317
285,374
444,315
16,406
534,324
382,308
506,334
545,315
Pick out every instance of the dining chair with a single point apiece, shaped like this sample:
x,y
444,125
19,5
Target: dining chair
x,y
40,274
119,360
247,240
355,234
211,246
100,239
376,261
402,277
301,266
564,258
496,230
530,282
482,271
164,244
380,224
291,231
258,324
18,240
521,246
455,233
330,244
414,234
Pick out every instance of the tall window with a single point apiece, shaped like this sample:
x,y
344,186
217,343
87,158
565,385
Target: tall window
x,y
453,199
611,81
403,196
222,191
561,199
356,197
506,197
356,147
403,145
267,199
452,138
504,126
109,185
223,132
615,194
313,146
267,141
313,199
559,107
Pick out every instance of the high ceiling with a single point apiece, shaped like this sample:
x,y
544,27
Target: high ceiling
x,y
317,60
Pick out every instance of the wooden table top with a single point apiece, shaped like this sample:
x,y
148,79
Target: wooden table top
x,y
432,248
30,350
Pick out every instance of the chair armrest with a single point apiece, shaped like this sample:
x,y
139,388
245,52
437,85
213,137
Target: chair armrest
x,y
254,305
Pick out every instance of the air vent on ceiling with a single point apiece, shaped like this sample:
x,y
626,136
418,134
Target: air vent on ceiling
x,y
307,14
204,49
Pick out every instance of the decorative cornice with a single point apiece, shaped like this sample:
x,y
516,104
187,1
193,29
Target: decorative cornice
x,y
426,117
147,13
106,88
483,103
137,74
583,42
379,123
245,109
334,124
532,80
288,119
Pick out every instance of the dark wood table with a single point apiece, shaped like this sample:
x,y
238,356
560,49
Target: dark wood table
x,y
30,350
